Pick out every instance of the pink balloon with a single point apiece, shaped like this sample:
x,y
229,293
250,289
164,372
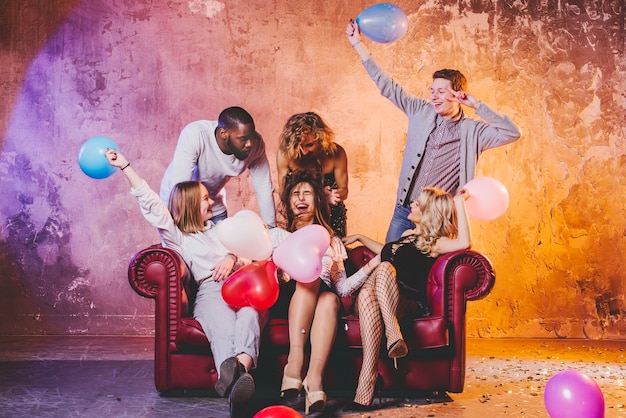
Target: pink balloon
x,y
277,411
317,236
572,394
245,235
488,200
300,254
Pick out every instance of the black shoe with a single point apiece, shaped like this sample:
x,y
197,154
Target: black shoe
x,y
356,407
240,396
230,370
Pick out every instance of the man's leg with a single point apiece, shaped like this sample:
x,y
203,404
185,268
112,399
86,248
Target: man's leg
x,y
399,223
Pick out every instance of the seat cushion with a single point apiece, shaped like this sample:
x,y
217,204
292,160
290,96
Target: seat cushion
x,y
191,334
421,333
427,332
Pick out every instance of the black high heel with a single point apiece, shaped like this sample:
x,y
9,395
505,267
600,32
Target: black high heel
x,y
397,350
358,407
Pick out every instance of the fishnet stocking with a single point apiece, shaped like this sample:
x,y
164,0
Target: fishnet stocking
x,y
377,303
371,327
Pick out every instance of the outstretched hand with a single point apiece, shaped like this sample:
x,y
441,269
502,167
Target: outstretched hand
x,y
462,97
350,239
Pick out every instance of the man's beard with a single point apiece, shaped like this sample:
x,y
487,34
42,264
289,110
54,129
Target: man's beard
x,y
240,155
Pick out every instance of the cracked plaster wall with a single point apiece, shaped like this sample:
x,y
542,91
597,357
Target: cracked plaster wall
x,y
138,71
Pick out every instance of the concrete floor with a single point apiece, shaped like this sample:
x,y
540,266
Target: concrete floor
x,y
80,376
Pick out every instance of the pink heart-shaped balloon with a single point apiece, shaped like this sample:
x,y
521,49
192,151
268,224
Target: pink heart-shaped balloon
x,y
300,254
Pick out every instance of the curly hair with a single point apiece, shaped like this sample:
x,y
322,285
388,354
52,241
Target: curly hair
x,y
184,205
300,125
322,210
439,218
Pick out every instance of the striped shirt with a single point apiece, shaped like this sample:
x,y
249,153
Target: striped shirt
x,y
441,163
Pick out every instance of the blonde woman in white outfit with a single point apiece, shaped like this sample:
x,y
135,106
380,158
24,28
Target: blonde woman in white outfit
x,y
234,334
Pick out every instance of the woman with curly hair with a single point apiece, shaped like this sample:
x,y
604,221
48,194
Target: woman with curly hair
x,y
397,287
307,142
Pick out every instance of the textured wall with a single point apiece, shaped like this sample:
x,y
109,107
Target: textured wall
x,y
138,71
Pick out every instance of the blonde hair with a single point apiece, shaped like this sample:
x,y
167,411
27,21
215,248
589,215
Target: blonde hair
x,y
184,205
297,127
439,218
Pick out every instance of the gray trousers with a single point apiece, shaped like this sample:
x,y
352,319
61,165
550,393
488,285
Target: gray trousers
x,y
231,331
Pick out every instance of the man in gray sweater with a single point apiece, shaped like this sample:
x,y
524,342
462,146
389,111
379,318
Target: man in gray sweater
x,y
213,152
442,144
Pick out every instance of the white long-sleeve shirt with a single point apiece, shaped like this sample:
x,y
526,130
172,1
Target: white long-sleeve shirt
x,y
201,251
198,157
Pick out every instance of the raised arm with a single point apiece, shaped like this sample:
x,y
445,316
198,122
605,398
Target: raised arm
x,y
117,159
464,238
354,36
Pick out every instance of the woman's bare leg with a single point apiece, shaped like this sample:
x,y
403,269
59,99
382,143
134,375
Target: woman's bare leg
x,y
300,317
323,334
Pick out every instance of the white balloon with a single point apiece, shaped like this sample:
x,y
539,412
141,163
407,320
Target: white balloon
x,y
245,235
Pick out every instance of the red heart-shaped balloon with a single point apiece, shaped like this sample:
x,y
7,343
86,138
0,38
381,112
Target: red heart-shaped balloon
x,y
252,285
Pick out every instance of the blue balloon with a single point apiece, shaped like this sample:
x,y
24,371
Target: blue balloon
x,y
92,160
383,22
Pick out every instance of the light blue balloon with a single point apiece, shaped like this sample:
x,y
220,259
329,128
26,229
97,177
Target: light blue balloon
x,y
93,161
383,22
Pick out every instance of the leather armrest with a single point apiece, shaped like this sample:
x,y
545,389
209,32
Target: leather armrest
x,y
153,267
456,278
358,257
473,271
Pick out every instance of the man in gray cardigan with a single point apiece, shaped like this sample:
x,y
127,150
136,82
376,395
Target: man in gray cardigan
x,y
442,144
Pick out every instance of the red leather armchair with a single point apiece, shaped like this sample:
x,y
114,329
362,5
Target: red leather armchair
x,y
436,359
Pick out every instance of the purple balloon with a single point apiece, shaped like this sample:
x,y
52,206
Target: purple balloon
x,y
572,394
383,22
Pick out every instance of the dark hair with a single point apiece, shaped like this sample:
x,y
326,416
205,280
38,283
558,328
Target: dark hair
x,y
322,210
456,78
232,117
